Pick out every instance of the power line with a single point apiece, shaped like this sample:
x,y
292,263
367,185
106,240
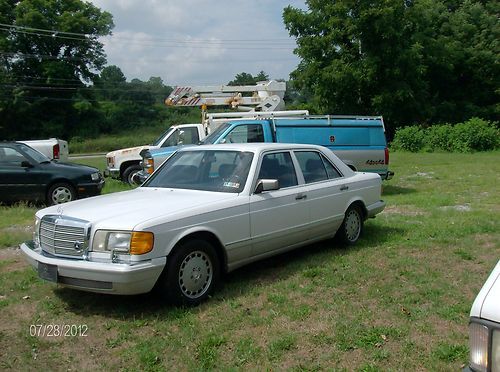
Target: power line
x,y
56,32
171,43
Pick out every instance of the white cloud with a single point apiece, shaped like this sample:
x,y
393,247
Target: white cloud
x,y
199,42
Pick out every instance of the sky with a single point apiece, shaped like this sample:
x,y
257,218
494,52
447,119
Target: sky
x,y
197,42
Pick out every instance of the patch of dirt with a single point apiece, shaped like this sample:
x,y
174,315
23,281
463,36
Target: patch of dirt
x,y
460,208
15,259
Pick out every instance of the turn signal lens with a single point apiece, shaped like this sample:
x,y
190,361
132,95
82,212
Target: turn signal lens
x,y
141,242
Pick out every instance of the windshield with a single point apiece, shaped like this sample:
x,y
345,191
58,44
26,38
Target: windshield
x,y
210,170
158,140
37,156
214,136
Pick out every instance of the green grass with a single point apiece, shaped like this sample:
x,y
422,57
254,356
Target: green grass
x,y
398,300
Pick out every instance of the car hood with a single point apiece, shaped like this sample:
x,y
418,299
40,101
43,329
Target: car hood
x,y
130,150
167,150
486,305
70,167
125,210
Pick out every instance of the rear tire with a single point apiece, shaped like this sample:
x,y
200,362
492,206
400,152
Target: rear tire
x,y
352,226
192,273
129,173
60,193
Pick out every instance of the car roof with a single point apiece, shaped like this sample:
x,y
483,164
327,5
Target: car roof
x,y
253,147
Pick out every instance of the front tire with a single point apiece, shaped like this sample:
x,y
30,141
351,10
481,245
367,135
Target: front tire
x,y
129,174
192,273
352,226
60,193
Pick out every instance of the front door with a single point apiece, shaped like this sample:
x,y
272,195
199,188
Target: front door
x,y
278,218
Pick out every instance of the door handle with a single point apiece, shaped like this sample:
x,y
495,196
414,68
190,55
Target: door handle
x,y
344,187
300,196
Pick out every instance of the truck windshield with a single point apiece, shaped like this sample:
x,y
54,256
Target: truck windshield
x,y
214,136
165,134
210,170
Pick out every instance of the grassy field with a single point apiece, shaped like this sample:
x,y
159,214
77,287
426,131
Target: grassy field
x,y
399,300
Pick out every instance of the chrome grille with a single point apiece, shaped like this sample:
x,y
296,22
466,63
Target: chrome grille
x,y
60,235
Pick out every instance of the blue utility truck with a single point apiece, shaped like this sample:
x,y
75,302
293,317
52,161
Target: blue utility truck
x,y
358,140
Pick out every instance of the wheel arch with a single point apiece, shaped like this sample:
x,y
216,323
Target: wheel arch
x,y
205,235
127,164
359,203
60,180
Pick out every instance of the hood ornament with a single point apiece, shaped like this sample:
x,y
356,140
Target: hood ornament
x,y
60,211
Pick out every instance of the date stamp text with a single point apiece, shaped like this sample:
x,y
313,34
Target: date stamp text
x,y
59,330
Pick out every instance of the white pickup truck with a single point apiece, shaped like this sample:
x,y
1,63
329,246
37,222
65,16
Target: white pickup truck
x,y
53,148
125,163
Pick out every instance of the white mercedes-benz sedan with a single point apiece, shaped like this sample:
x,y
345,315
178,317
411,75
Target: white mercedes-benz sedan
x,y
206,210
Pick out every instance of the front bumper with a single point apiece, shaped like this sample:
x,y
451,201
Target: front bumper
x,y
112,172
99,277
90,189
141,176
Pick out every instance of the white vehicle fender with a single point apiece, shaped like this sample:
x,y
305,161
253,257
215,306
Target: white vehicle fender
x,y
354,200
191,231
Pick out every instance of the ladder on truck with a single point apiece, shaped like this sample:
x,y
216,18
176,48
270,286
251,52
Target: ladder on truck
x,y
262,100
263,96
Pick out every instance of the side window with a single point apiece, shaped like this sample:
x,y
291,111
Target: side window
x,y
10,157
312,166
330,169
172,140
188,136
278,166
246,134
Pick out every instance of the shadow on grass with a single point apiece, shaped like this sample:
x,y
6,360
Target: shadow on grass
x,y
237,283
397,190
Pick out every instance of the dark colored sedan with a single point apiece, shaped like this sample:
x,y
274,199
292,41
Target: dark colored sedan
x,y
26,174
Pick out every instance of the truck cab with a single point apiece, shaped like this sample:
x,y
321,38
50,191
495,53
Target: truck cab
x,y
124,164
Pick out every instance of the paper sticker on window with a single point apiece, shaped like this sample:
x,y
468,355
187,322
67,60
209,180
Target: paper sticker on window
x,y
234,185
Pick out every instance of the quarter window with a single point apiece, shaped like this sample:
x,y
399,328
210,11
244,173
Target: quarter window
x,y
330,169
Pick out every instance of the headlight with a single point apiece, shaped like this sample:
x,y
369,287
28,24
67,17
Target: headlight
x,y
149,165
36,232
484,341
123,241
111,161
478,340
95,176
495,351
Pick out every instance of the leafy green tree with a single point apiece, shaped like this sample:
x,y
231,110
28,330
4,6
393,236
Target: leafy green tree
x,y
411,61
53,50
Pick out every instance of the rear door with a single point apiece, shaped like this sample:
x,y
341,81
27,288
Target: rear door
x,y
278,218
327,193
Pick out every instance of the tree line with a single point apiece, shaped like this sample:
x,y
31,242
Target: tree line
x,y
412,61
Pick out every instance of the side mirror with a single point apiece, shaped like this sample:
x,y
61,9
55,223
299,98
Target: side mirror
x,y
26,164
266,185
